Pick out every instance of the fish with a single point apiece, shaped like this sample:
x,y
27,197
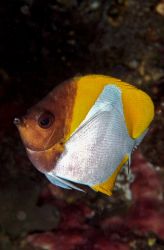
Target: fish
x,y
85,130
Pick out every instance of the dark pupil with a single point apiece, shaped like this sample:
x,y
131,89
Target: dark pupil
x,y
46,120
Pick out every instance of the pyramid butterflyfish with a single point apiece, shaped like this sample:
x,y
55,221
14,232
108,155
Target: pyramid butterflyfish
x,y
85,130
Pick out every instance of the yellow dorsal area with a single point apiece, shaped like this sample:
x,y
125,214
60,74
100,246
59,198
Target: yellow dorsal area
x,y
107,186
88,89
137,105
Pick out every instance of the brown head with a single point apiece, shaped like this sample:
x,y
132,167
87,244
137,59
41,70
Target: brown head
x,y
46,125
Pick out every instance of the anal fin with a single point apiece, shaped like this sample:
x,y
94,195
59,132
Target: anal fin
x,y
107,186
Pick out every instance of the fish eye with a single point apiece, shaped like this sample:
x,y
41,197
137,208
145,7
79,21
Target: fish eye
x,y
46,120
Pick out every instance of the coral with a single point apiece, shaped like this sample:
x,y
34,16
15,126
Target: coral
x,y
77,230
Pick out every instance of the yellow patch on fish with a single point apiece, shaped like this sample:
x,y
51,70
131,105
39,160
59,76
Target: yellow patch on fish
x,y
138,107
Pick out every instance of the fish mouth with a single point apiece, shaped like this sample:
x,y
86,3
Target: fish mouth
x,y
17,121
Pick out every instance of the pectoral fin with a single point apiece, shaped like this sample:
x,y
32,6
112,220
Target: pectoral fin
x,y
62,183
107,186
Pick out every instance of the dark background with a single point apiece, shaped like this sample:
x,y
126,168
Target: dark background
x,y
43,43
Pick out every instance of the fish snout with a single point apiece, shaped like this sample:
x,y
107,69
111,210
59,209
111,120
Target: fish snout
x,y
18,122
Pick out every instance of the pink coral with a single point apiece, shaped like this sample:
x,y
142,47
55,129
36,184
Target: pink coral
x,y
114,232
146,213
57,241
